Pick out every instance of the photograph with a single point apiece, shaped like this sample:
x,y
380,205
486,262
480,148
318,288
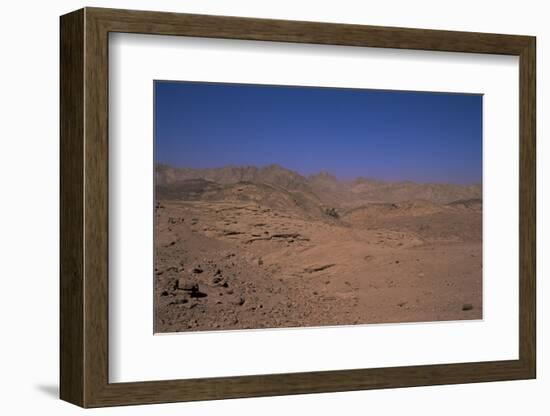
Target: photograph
x,y
252,207
294,206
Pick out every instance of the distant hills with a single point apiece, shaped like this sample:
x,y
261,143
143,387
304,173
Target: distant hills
x,y
272,175
181,183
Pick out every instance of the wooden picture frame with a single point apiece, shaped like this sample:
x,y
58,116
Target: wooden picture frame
x,y
84,207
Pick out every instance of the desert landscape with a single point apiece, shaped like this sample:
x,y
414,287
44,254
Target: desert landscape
x,y
246,247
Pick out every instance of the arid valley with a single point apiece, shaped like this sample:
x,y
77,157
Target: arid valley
x,y
247,247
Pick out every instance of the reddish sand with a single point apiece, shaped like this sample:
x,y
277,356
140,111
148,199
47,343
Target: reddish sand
x,y
248,257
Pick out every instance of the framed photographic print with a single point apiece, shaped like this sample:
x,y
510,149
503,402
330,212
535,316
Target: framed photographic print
x,y
255,207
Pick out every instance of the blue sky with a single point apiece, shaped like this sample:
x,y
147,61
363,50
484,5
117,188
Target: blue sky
x,y
387,135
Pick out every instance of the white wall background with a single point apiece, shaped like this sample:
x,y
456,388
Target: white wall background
x,y
29,212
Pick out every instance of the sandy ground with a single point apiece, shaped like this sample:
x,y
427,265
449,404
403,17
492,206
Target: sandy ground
x,y
237,265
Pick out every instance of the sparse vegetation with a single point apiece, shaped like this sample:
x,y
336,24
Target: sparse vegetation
x,y
331,212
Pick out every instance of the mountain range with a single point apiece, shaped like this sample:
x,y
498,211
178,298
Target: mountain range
x,y
242,247
322,188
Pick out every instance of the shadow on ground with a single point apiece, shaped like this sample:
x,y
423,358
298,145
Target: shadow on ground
x,y
51,390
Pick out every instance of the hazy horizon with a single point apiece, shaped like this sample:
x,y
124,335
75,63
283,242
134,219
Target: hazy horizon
x,y
324,171
390,136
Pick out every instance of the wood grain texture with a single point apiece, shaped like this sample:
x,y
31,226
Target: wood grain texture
x,y
71,208
162,23
84,207
528,207
96,220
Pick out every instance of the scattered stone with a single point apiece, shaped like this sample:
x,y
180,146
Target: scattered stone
x,y
312,269
164,293
287,235
232,232
396,261
179,302
197,270
467,307
198,294
401,304
187,285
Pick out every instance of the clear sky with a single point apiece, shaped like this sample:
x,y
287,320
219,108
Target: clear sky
x,y
387,135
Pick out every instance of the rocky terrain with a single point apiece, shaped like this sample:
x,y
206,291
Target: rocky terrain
x,y
247,247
